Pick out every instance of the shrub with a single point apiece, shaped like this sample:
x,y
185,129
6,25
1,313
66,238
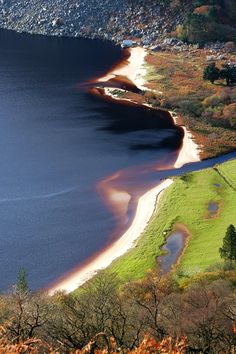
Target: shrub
x,y
202,10
180,32
211,73
216,100
230,114
211,21
228,72
193,109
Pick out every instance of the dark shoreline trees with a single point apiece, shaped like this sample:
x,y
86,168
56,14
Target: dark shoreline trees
x,y
227,73
211,73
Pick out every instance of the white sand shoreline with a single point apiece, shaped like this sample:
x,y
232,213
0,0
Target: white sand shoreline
x,y
145,207
135,72
190,151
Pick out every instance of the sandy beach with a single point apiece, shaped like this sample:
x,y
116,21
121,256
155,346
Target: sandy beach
x,y
135,71
145,207
190,151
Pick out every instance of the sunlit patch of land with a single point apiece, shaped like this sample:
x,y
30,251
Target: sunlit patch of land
x,y
186,202
206,109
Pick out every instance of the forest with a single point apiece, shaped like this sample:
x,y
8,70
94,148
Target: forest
x,y
149,316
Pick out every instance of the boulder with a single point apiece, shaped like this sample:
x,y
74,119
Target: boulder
x,y
127,43
58,22
157,48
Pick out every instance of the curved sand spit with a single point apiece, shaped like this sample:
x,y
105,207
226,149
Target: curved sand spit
x,y
146,205
134,70
189,151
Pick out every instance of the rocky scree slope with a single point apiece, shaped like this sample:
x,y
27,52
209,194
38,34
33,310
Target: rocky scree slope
x,y
108,19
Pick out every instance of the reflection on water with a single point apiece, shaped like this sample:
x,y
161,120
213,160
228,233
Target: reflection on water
x,y
173,247
213,208
57,142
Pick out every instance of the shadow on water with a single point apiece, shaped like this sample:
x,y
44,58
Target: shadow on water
x,y
157,127
57,137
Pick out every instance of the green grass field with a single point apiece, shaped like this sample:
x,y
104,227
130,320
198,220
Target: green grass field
x,y
186,201
229,171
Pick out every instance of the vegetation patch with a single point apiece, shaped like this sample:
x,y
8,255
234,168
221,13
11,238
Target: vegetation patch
x,y
207,20
185,202
207,109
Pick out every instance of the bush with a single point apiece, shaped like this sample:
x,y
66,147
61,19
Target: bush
x,y
216,100
230,114
211,21
228,72
204,10
211,73
191,108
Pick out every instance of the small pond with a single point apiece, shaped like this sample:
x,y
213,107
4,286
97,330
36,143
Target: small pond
x,y
212,208
173,247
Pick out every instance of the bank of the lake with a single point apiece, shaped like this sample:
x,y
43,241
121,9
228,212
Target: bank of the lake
x,y
186,202
128,73
58,142
206,109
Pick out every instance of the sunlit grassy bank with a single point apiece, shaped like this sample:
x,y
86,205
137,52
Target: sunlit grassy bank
x,y
186,201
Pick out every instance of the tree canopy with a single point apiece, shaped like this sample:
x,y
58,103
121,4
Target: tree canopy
x,y
227,72
22,284
228,250
211,73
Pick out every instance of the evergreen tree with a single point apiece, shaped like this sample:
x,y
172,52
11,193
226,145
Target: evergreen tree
x,y
228,250
22,284
211,73
228,72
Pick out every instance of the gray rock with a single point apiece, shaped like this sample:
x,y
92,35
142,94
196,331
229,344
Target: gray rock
x,y
210,58
127,43
157,48
109,19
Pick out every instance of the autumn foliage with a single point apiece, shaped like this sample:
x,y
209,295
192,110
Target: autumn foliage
x,y
148,316
147,346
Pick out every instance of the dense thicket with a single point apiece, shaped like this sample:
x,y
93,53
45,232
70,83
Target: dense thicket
x,y
202,316
207,20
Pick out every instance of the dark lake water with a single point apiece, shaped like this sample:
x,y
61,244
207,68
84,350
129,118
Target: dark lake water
x,y
57,141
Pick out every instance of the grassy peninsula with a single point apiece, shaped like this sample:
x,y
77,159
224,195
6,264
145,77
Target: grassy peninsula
x,y
186,202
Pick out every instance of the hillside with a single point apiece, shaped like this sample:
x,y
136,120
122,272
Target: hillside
x,y
136,306
109,19
146,21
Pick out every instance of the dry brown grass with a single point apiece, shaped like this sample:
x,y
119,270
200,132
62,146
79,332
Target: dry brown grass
x,y
179,77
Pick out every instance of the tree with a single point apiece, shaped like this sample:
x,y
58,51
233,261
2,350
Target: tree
x,y
28,315
22,284
228,72
211,73
228,250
